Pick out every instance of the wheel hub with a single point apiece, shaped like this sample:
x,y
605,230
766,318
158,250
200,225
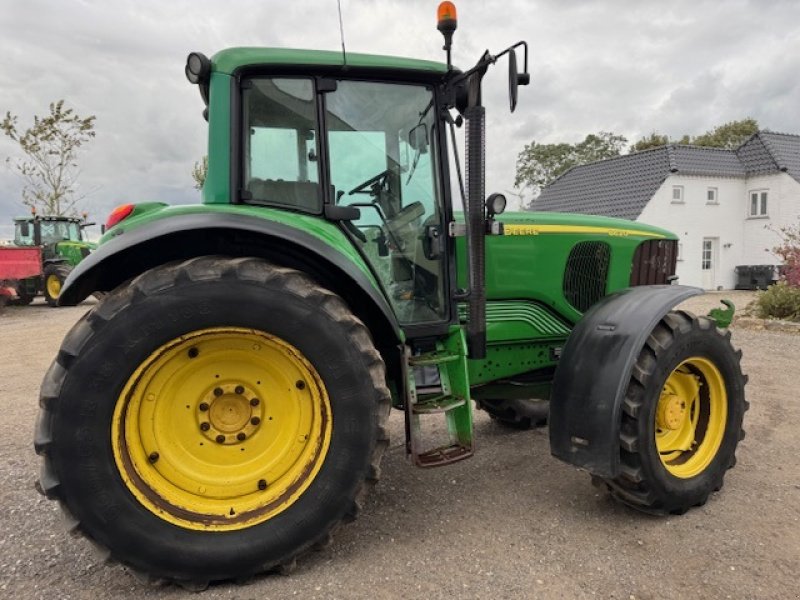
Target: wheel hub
x,y
229,413
671,412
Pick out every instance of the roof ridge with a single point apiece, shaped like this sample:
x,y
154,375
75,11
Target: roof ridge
x,y
783,133
698,147
610,158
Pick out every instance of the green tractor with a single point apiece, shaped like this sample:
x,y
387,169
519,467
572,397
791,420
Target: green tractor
x,y
223,409
63,246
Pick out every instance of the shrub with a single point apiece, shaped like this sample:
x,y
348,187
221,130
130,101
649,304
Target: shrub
x,y
789,252
779,301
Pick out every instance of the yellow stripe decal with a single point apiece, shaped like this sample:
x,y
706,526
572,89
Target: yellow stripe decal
x,y
509,229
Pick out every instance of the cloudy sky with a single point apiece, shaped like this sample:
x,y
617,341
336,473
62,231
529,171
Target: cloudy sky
x,y
630,67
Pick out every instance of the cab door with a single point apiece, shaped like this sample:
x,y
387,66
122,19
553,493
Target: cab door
x,y
382,159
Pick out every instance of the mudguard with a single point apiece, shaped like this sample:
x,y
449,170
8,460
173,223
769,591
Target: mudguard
x,y
594,370
189,235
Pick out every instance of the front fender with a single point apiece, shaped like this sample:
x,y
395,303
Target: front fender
x,y
185,236
594,371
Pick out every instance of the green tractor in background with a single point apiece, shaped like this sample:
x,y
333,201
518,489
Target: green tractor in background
x,y
63,245
223,409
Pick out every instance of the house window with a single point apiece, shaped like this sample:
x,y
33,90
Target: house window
x,y
707,248
677,194
711,196
758,203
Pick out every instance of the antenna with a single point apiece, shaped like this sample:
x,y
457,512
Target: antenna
x,y
341,31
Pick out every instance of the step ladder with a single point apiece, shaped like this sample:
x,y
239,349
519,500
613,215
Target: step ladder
x,y
450,398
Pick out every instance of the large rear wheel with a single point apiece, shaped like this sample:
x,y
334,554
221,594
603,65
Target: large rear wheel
x,y
54,278
213,420
681,417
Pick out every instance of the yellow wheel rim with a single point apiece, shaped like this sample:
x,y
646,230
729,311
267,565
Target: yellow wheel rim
x,y
690,417
221,429
53,286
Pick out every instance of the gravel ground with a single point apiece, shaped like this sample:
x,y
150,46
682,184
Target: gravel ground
x,y
510,522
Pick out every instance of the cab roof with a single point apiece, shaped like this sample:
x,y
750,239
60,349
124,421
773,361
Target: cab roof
x,y
227,61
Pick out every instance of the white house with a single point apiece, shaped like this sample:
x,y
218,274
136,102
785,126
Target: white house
x,y
725,205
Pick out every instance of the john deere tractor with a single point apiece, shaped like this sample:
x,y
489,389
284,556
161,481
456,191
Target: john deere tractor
x,y
63,246
223,409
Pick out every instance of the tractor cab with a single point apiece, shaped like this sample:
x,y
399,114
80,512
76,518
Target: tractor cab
x,y
47,231
374,146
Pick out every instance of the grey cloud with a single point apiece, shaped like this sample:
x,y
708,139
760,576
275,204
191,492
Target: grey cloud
x,y
631,67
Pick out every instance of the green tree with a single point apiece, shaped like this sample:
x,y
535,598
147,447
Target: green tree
x,y
654,140
539,164
199,172
49,168
728,135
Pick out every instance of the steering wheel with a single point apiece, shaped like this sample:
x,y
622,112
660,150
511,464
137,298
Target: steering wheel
x,y
379,180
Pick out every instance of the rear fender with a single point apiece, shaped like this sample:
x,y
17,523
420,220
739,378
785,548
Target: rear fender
x,y
594,371
186,236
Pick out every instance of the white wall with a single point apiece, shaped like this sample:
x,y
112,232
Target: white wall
x,y
742,240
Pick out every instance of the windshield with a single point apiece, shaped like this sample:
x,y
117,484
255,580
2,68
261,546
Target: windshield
x,y
382,160
58,231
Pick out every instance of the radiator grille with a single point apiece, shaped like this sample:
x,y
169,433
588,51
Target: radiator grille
x,y
586,274
654,262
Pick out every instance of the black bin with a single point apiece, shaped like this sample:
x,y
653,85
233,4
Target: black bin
x,y
754,277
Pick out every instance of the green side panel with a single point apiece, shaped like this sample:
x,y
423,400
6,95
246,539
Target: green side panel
x,y
529,261
520,320
513,358
227,61
323,230
216,189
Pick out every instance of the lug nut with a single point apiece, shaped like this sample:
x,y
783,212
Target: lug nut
x,y
153,457
203,406
241,436
262,484
300,385
255,420
218,391
205,426
221,439
239,390
254,402
193,352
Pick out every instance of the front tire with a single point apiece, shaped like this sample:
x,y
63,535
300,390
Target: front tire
x,y
213,420
681,417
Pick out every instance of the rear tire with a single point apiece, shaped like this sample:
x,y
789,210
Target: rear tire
x,y
127,498
53,280
681,417
24,297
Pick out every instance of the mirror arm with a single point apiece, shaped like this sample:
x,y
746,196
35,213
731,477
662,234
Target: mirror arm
x,y
489,59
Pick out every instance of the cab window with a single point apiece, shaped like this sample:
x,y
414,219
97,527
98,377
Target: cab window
x,y
280,143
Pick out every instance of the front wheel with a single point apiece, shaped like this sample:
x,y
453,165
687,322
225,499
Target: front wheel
x,y
681,417
212,420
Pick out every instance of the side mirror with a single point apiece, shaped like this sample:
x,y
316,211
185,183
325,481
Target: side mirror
x,y
24,229
418,138
515,78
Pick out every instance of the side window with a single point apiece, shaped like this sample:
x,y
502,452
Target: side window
x,y
23,236
280,143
